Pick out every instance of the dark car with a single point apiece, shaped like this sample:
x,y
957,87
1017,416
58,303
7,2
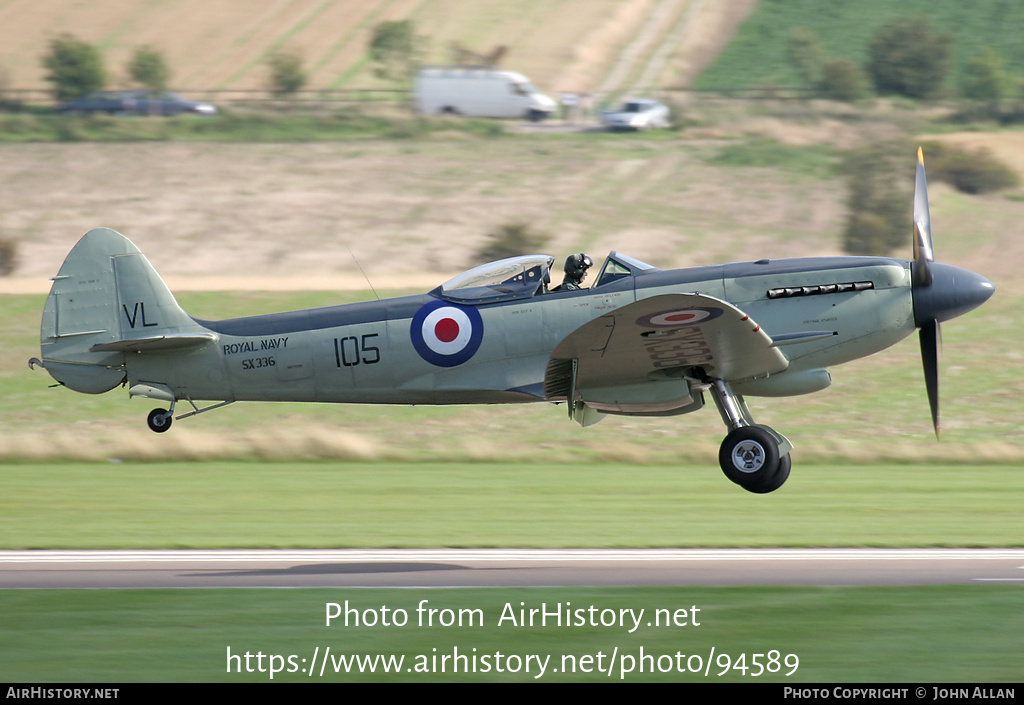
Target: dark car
x,y
135,103
98,102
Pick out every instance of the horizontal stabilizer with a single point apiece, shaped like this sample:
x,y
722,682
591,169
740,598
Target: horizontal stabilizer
x,y
170,341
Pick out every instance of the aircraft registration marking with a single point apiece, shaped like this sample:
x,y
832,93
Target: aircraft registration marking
x,y
256,363
675,348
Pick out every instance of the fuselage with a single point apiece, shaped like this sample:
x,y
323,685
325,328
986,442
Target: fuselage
x,y
371,352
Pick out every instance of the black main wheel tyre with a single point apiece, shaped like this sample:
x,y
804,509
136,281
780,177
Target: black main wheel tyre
x,y
749,456
781,475
159,420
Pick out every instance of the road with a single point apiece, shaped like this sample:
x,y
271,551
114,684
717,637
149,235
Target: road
x,y
507,567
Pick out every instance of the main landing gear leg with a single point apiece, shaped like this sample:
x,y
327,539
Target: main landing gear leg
x,y
755,457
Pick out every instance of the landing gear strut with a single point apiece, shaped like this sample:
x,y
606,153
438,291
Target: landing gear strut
x,y
159,420
753,456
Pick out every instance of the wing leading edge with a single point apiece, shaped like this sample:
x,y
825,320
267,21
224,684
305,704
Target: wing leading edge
x,y
640,358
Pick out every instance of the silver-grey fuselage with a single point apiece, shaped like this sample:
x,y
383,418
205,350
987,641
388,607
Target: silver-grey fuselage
x,y
365,352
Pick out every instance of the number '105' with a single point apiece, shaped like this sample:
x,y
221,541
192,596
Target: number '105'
x,y
351,351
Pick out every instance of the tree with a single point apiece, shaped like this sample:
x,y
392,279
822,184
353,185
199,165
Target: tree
x,y
148,68
807,55
879,219
834,78
843,80
75,67
8,256
511,240
985,78
394,47
287,76
978,171
908,58
5,85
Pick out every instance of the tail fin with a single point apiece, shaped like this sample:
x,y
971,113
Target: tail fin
x,y
106,300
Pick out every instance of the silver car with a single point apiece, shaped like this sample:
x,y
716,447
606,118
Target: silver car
x,y
637,114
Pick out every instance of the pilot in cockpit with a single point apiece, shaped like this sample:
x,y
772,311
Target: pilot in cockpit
x,y
576,267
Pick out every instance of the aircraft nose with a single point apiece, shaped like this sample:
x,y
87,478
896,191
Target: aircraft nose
x,y
953,292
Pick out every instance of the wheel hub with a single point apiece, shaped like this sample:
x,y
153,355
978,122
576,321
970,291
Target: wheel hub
x,y
748,456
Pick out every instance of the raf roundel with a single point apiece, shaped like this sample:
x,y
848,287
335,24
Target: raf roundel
x,y
445,334
680,317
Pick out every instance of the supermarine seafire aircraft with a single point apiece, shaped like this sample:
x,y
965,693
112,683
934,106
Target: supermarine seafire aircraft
x,y
639,342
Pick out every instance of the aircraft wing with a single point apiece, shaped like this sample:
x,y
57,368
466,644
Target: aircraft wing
x,y
637,359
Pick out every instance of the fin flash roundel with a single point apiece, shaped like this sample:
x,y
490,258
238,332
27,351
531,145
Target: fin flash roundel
x,y
446,335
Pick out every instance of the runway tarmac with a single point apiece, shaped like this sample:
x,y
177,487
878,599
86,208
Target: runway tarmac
x,y
507,567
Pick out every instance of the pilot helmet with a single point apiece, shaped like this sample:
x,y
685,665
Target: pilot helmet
x,y
577,265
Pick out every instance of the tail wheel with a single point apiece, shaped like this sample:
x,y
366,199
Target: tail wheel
x,y
749,456
159,420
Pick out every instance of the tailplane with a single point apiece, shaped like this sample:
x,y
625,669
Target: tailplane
x,y
106,301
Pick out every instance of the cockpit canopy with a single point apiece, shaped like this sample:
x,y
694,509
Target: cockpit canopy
x,y
512,278
526,276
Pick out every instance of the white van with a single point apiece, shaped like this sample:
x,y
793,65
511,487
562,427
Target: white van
x,y
480,92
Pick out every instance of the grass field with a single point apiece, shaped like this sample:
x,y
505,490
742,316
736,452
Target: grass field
x,y
221,45
577,45
756,57
482,504
943,634
428,203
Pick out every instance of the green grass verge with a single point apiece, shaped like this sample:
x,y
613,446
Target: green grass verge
x,y
352,123
528,504
814,161
935,634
